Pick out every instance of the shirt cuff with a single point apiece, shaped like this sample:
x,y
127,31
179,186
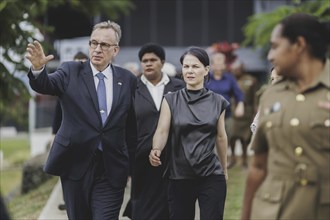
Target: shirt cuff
x,y
37,72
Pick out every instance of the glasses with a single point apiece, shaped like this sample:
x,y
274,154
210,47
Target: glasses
x,y
104,46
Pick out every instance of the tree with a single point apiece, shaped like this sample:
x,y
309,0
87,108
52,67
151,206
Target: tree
x,y
20,21
258,29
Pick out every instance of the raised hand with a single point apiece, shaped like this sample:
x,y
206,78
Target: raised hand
x,y
35,54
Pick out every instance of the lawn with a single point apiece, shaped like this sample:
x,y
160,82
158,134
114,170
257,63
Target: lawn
x,y
15,152
28,206
235,192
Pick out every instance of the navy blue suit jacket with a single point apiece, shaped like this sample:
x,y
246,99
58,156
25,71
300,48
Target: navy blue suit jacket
x,y
81,131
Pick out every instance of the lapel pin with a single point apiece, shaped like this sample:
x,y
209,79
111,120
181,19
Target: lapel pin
x,y
119,83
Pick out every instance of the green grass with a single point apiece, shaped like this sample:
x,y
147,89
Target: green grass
x,y
15,152
10,181
30,205
235,192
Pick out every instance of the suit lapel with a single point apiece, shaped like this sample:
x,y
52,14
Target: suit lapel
x,y
118,83
144,92
90,84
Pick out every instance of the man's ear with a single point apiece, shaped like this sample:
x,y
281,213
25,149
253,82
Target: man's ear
x,y
116,51
300,44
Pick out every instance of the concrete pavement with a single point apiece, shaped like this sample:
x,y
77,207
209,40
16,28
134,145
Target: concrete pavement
x,y
51,211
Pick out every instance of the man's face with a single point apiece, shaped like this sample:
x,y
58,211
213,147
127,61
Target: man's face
x,y
151,66
282,54
100,58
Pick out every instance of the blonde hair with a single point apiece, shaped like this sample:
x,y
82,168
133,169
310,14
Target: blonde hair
x,y
110,25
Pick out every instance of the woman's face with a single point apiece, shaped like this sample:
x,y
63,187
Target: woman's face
x,y
193,72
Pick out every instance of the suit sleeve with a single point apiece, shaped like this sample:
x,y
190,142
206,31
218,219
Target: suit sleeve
x,y
57,119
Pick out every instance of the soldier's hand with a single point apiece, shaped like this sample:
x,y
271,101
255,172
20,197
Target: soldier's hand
x,y
239,110
35,54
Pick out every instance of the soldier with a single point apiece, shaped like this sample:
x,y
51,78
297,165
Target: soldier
x,y
289,175
241,125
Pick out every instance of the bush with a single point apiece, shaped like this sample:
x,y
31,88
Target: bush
x,y
33,174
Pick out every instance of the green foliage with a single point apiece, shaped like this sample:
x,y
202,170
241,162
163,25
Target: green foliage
x,y
258,29
20,21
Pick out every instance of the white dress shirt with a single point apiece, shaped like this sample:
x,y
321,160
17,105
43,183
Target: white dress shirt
x,y
108,80
156,91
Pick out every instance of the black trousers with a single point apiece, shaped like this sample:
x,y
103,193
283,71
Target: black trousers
x,y
92,197
209,191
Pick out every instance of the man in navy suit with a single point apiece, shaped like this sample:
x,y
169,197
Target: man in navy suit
x,y
90,154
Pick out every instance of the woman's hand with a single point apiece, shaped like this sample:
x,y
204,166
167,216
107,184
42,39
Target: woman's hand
x,y
154,157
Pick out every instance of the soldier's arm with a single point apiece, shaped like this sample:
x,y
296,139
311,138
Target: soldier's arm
x,y
256,175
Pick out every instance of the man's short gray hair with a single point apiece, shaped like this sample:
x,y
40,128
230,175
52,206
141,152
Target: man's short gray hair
x,y
109,25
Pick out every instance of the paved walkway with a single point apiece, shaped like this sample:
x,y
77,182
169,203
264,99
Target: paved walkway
x,y
51,211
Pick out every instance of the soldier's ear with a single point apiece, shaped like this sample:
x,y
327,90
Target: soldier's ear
x,y
300,44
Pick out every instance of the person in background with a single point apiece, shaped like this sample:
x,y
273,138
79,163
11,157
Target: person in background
x,y
274,78
149,195
289,174
241,125
192,119
97,136
57,119
169,69
225,84
133,67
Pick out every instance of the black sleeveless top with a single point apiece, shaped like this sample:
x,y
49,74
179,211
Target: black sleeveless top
x,y
195,115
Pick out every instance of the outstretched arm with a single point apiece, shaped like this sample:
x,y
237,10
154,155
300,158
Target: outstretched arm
x,y
161,134
35,54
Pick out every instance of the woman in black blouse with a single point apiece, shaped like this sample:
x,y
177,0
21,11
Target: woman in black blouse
x,y
193,121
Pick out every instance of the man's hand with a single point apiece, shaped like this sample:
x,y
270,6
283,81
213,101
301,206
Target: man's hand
x,y
36,55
